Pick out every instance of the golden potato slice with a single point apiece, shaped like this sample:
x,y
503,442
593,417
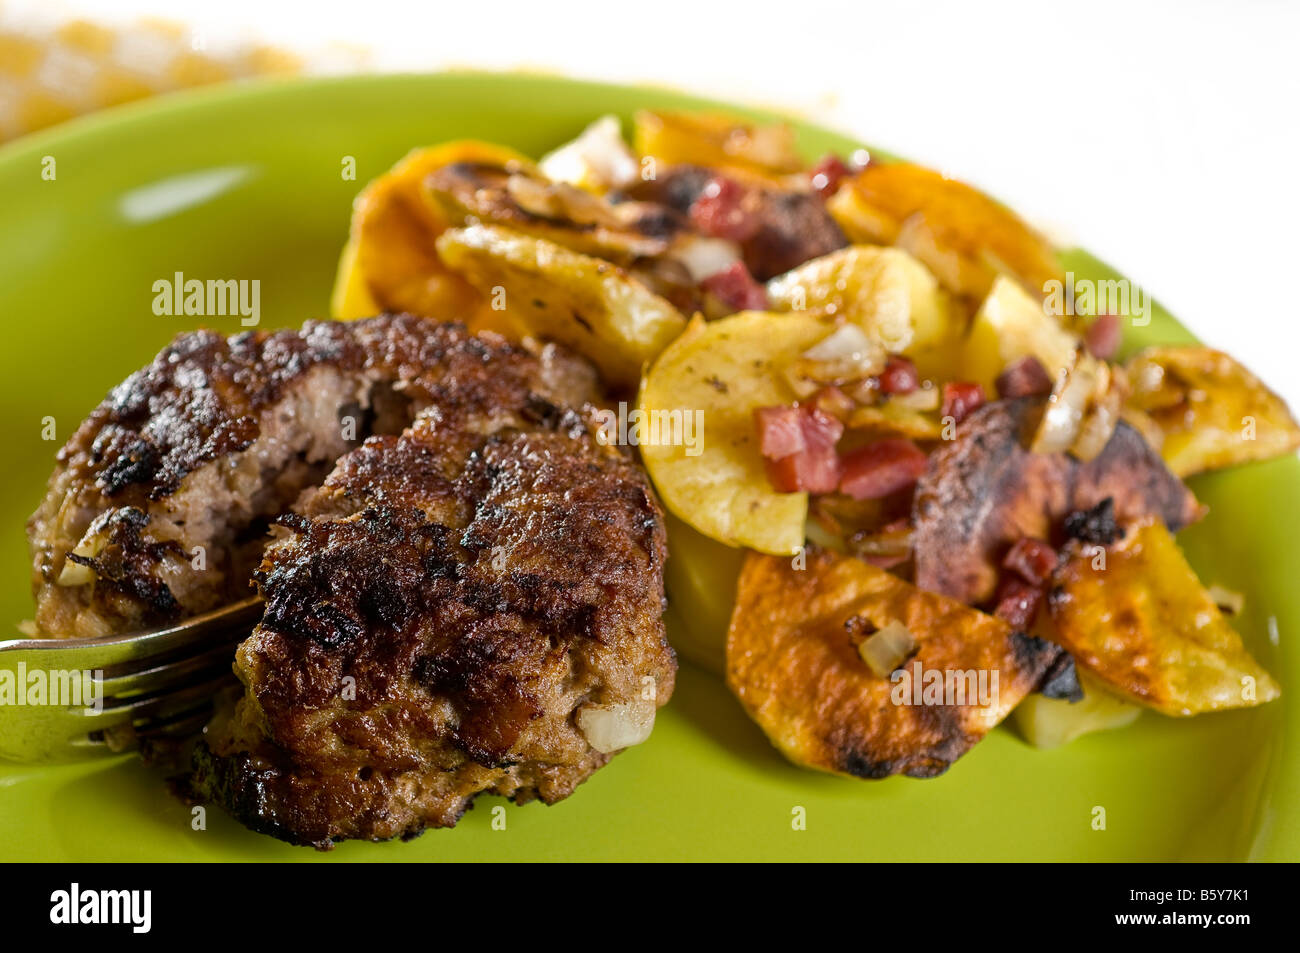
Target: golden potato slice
x,y
389,263
1012,324
885,291
716,140
700,576
725,370
1147,630
961,235
793,663
1209,410
558,294
1051,722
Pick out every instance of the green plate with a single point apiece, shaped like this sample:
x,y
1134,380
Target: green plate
x,y
247,182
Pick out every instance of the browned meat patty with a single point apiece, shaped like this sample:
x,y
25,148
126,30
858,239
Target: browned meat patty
x,y
793,226
984,491
471,607
159,503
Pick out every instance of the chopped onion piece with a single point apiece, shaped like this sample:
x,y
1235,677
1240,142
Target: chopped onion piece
x,y
925,397
615,727
79,574
885,650
704,257
598,158
1070,398
1097,429
846,355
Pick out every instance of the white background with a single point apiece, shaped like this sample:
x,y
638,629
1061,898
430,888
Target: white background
x,y
1161,135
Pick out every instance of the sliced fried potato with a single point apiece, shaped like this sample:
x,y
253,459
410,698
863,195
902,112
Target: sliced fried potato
x,y
592,306
961,235
885,291
1145,627
524,200
1210,411
1012,324
889,418
715,140
726,370
389,263
1051,722
700,576
793,663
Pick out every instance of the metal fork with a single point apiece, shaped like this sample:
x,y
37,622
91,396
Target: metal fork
x,y
150,685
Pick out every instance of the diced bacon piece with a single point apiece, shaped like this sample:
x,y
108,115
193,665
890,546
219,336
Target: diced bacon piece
x,y
821,431
719,211
899,376
1103,336
961,399
1017,601
799,444
1031,559
1024,378
828,174
779,431
736,288
809,471
881,468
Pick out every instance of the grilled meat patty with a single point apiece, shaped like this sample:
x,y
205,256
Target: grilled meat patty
x,y
984,491
469,600
159,503
471,606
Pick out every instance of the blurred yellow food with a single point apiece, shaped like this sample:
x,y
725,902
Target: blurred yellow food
x,y
1012,324
1051,722
715,140
961,235
389,262
725,370
555,293
1208,410
1143,625
794,661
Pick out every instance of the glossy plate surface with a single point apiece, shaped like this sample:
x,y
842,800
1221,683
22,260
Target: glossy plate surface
x,y
249,182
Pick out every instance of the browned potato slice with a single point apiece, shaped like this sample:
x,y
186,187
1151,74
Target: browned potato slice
x,y
526,201
961,235
390,263
1145,627
711,139
793,663
1209,410
586,303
